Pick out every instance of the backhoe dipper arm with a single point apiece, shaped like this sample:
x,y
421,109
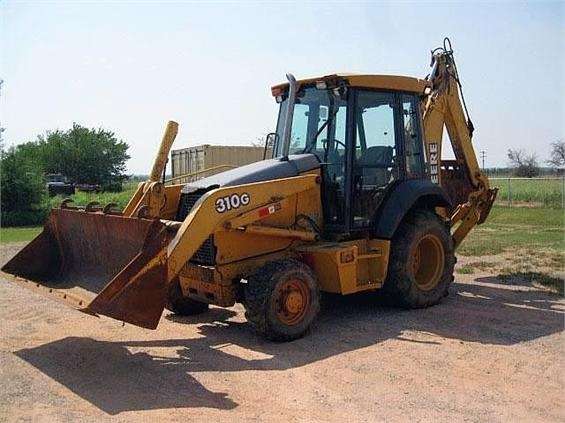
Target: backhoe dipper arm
x,y
463,180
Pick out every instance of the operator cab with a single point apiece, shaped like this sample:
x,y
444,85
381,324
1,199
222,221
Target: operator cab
x,y
365,130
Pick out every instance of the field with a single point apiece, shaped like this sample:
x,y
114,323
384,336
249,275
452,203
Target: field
x,y
529,192
506,228
20,234
82,198
523,192
514,228
26,233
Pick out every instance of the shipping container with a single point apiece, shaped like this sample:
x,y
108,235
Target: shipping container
x,y
206,160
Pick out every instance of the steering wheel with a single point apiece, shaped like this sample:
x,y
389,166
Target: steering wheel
x,y
337,142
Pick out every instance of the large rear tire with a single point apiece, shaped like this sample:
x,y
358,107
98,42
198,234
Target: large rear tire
x,y
182,305
421,261
282,299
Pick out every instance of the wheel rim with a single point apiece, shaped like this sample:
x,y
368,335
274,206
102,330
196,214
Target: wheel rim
x,y
292,301
427,262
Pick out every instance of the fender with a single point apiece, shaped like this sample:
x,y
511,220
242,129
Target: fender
x,y
401,199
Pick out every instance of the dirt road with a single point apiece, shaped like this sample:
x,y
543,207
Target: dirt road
x,y
491,352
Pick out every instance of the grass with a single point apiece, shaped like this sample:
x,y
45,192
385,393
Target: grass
x,y
531,229
546,193
469,268
514,228
22,234
534,278
82,198
465,270
27,233
482,265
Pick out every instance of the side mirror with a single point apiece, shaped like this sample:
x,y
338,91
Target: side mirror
x,y
270,142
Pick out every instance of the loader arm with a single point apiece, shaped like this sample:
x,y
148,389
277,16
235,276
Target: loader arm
x,y
138,293
462,178
212,212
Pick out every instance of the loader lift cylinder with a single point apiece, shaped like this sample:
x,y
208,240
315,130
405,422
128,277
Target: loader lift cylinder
x,y
166,143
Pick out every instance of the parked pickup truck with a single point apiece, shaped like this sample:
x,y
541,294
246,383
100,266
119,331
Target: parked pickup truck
x,y
58,184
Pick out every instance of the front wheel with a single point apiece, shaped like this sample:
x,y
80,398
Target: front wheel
x,y
421,261
282,300
181,305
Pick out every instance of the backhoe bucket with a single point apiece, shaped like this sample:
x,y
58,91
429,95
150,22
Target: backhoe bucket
x,y
99,263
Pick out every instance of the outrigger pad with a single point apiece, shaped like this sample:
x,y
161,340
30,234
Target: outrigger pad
x,y
80,254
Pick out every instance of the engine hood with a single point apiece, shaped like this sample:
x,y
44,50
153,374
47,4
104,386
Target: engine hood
x,y
265,170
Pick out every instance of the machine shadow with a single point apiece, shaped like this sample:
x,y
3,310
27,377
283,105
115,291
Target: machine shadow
x,y
138,375
114,379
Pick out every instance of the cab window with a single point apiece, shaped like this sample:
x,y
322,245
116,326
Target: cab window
x,y
412,138
375,161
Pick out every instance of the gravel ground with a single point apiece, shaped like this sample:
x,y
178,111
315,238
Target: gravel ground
x,y
490,352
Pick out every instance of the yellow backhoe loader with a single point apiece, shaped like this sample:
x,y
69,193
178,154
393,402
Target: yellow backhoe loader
x,y
356,197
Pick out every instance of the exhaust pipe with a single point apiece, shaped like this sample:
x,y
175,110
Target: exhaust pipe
x,y
287,130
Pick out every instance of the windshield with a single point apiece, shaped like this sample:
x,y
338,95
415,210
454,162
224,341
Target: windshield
x,y
318,124
54,178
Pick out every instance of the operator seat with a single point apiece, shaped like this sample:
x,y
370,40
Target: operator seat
x,y
376,163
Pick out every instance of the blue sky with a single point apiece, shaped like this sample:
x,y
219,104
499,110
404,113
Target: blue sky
x,y
131,66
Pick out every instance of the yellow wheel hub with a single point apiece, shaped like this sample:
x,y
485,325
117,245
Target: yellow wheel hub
x,y
292,301
428,260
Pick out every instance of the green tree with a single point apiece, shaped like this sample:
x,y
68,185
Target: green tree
x,y
22,190
92,156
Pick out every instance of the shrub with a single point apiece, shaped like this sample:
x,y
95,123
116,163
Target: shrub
x,y
22,195
525,165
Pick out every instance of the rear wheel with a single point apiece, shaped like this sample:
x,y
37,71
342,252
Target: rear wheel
x,y
282,300
182,305
421,261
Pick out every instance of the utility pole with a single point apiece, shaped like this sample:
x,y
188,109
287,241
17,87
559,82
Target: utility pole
x,y
483,155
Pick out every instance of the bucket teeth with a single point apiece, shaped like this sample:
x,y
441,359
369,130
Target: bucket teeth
x,y
143,212
99,263
110,208
65,204
93,206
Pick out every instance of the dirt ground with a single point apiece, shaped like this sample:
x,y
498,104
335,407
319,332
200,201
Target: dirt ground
x,y
492,351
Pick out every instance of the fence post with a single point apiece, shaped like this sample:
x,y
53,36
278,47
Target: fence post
x,y
509,193
563,191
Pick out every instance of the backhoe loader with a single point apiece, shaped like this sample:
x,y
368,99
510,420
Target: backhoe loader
x,y
355,198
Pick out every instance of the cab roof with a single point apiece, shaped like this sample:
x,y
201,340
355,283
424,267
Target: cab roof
x,y
384,82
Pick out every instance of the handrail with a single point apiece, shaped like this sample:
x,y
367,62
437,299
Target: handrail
x,y
209,169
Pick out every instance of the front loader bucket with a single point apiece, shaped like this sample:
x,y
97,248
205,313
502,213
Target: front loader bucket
x,y
99,263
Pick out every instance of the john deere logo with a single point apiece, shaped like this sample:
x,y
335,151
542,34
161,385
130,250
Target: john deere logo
x,y
434,169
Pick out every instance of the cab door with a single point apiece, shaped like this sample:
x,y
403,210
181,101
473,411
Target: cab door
x,y
377,159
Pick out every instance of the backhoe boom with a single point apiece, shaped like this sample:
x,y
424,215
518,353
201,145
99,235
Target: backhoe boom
x,y
462,178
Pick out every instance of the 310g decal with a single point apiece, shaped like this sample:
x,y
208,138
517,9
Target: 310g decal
x,y
231,202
